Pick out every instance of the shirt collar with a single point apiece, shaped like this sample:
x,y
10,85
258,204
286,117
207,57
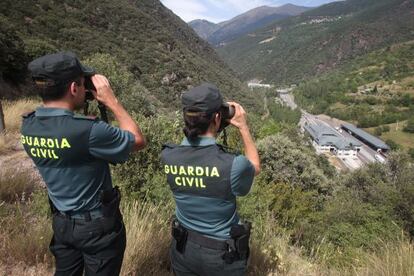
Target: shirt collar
x,y
49,111
199,141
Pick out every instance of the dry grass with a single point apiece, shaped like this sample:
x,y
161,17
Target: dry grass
x,y
13,111
21,269
15,184
24,237
148,239
272,254
393,260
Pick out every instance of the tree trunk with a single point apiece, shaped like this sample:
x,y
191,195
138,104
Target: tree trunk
x,y
2,124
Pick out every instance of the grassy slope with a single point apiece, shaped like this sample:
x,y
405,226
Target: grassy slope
x,y
301,49
143,35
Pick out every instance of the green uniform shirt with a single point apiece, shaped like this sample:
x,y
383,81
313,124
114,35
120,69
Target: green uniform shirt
x,y
76,187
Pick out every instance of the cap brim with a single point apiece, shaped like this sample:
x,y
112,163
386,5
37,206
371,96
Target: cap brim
x,y
88,71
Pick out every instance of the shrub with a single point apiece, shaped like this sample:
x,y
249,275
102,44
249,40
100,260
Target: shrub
x,y
409,126
284,161
142,174
386,129
378,131
393,145
411,153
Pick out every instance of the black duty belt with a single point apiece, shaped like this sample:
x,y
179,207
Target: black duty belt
x,y
206,241
87,215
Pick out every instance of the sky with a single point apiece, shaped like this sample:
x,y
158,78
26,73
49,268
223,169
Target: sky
x,y
221,10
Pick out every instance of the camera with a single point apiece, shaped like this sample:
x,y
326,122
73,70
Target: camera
x,y
227,112
89,86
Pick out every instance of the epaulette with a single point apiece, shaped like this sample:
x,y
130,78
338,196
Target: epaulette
x,y
169,145
28,114
83,117
228,149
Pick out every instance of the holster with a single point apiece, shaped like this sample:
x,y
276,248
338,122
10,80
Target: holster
x,y
238,245
110,200
180,235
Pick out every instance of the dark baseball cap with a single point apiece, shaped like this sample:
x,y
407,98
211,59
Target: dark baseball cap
x,y
58,68
204,98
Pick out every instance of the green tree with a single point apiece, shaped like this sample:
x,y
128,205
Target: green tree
x,y
13,58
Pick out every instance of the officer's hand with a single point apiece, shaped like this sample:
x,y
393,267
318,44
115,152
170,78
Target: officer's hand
x,y
103,92
239,118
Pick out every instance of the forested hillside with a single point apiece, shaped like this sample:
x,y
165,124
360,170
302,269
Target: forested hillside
x,y
160,51
320,40
250,21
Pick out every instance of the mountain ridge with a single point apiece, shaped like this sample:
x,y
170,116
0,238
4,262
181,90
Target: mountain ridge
x,y
251,20
320,39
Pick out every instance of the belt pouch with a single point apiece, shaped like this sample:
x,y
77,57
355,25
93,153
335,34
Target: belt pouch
x,y
110,200
180,234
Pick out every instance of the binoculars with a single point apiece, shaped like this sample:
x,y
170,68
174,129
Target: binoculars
x,y
89,87
227,112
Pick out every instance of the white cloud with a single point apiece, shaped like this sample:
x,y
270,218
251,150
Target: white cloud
x,y
239,6
220,10
190,9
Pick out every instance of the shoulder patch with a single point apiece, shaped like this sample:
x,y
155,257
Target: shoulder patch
x,y
228,149
28,114
82,117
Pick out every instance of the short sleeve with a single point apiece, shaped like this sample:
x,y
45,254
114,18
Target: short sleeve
x,y
242,175
110,143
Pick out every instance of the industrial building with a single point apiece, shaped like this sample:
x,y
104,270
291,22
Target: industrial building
x,y
366,138
326,139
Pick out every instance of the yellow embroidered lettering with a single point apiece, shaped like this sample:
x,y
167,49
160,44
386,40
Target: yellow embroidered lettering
x,y
202,184
44,152
174,169
36,142
182,171
29,140
65,144
54,154
190,181
199,171
214,172
50,143
42,142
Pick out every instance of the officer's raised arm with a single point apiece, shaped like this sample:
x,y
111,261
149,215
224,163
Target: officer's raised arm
x,y
239,121
105,95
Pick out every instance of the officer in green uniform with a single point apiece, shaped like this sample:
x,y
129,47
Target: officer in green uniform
x,y
72,154
205,179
